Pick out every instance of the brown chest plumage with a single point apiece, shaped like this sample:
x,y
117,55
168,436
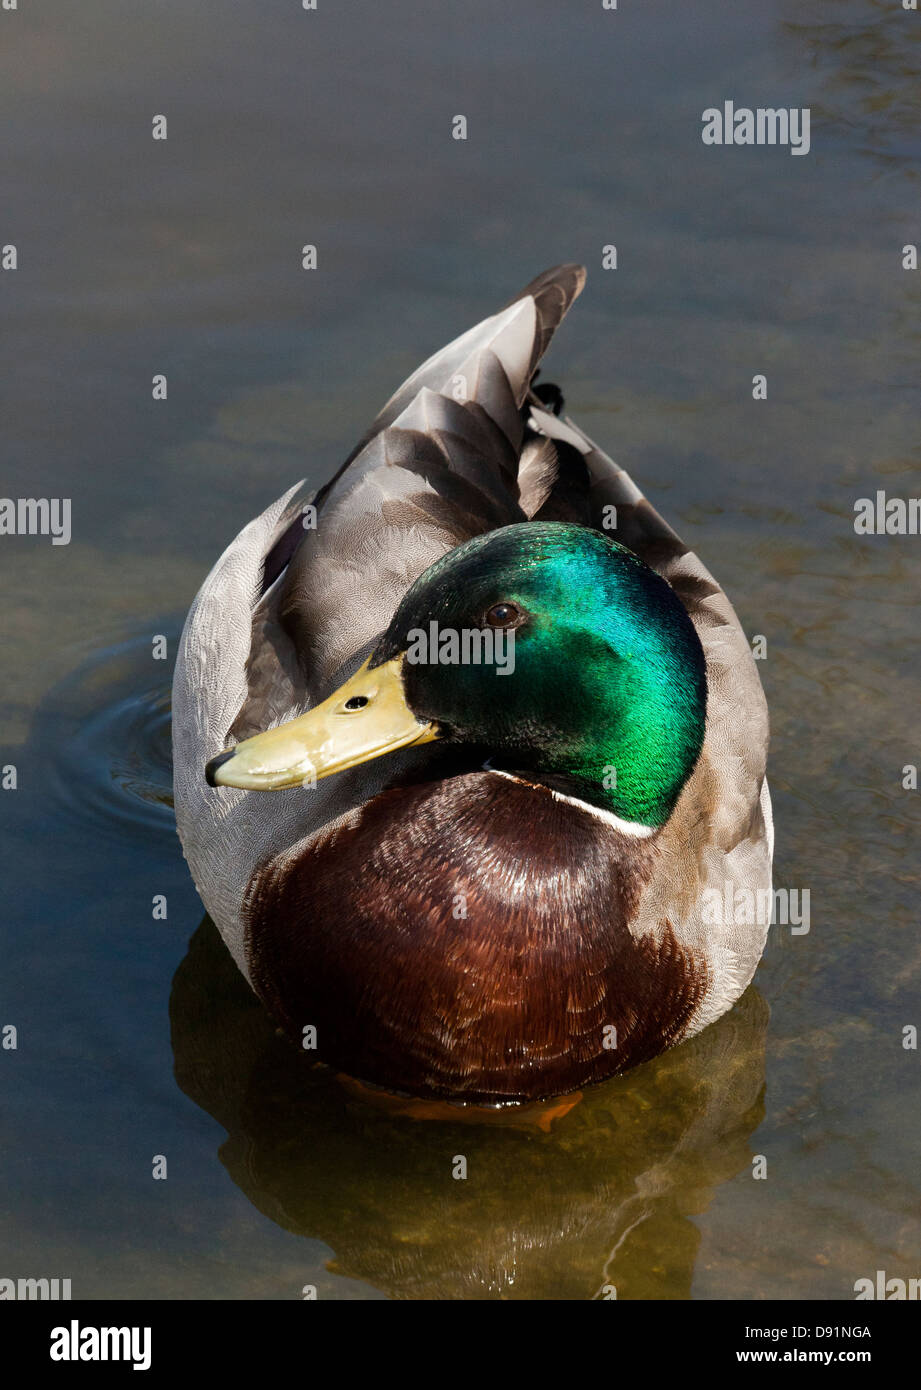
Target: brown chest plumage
x,y
468,938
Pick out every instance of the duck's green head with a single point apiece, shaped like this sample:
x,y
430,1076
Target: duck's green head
x,y
544,646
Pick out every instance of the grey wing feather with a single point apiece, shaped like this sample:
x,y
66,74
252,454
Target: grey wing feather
x,y
518,335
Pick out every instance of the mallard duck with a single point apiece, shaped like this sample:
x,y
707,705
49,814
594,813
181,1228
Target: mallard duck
x,y
482,880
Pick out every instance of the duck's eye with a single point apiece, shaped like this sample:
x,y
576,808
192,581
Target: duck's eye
x,y
356,702
504,615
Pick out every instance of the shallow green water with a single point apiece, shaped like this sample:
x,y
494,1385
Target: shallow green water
x,y
136,1037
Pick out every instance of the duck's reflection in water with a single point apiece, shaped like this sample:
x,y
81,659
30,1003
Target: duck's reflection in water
x,y
564,1201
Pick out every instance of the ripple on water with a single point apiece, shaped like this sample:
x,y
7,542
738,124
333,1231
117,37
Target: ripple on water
x,y
111,739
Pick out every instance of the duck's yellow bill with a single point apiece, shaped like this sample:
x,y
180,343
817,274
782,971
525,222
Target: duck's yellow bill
x,y
364,718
